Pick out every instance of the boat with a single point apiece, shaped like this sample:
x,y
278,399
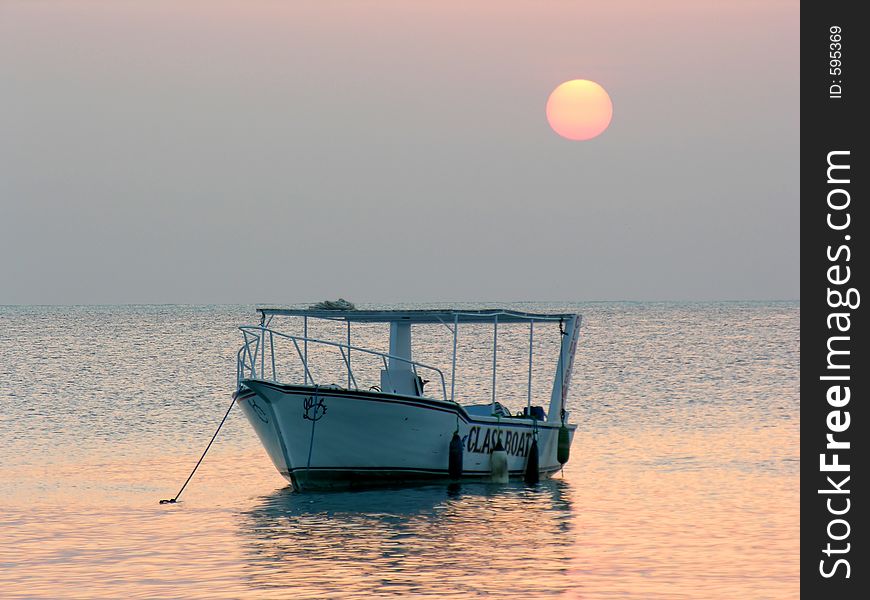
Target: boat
x,y
370,417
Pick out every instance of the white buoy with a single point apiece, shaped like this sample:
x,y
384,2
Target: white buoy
x,y
499,464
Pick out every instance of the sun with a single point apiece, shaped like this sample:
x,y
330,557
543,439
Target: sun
x,y
579,110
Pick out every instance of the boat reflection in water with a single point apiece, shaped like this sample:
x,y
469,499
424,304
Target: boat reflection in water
x,y
439,540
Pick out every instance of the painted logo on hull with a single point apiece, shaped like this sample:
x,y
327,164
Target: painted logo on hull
x,y
481,440
261,414
314,407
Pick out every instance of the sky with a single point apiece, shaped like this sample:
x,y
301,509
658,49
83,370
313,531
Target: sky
x,y
390,151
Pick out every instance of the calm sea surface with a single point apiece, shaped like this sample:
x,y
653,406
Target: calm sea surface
x,y
683,480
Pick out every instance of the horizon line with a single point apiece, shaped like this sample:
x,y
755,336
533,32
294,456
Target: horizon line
x,y
612,301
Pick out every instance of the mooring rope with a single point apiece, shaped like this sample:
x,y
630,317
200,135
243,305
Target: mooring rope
x,y
189,477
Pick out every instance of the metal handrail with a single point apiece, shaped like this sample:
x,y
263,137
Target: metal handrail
x,y
253,335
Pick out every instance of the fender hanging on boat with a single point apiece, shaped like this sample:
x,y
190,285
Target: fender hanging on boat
x,y
563,449
532,476
499,463
454,467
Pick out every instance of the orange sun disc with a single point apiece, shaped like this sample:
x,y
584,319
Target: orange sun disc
x,y
579,110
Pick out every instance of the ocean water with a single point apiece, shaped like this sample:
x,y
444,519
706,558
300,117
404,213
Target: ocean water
x,y
683,479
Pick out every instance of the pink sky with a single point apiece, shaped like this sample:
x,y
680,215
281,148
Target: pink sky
x,y
146,124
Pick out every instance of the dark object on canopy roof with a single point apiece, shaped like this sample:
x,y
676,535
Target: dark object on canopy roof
x,y
340,304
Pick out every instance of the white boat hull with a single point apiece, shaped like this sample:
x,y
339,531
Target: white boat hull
x,y
323,437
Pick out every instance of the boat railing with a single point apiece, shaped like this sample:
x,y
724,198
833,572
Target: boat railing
x,y
259,347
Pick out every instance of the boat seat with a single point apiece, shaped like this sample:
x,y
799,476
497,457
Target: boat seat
x,y
487,410
419,384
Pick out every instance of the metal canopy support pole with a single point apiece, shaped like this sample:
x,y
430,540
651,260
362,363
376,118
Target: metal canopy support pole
x,y
568,332
305,348
304,364
251,357
263,352
529,393
453,370
494,355
348,355
272,345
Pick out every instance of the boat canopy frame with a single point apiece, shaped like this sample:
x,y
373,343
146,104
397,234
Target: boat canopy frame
x,y
450,318
418,315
